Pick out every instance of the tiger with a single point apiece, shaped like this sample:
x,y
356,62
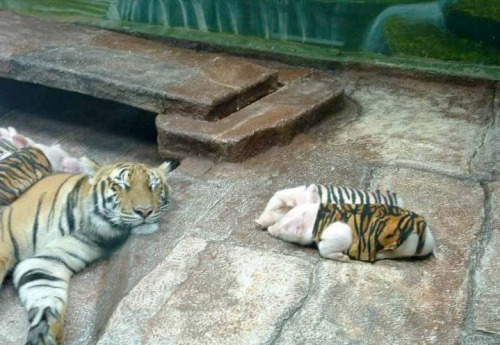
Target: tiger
x,y
354,231
286,199
65,222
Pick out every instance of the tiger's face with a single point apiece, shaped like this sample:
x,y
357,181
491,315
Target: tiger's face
x,y
129,195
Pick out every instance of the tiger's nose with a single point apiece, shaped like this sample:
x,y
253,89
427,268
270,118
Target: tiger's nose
x,y
144,212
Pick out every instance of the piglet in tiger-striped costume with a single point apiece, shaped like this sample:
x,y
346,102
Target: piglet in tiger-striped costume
x,y
286,199
362,232
11,141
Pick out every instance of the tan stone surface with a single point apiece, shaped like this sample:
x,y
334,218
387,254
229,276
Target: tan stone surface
x,y
210,294
129,70
17,36
416,123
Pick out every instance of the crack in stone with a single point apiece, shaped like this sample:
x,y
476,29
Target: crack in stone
x,y
101,326
483,237
368,180
485,132
459,177
303,301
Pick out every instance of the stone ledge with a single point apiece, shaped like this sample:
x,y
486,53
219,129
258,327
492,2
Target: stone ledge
x,y
130,70
274,119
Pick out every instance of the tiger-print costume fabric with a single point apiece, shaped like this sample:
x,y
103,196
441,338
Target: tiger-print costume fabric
x,y
329,194
20,171
63,223
6,148
373,227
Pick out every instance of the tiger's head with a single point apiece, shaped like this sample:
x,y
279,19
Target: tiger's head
x,y
129,195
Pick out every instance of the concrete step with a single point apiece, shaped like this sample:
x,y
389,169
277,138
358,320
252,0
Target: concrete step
x,y
274,119
145,74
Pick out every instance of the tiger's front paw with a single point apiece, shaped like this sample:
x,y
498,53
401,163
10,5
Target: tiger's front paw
x,y
47,331
40,334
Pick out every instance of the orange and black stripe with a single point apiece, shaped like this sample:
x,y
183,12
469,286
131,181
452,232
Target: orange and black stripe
x,y
374,227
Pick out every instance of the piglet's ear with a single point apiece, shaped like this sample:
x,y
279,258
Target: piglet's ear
x,y
4,133
89,166
12,131
19,141
312,194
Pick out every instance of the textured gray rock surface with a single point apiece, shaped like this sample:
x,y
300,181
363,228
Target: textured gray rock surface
x,y
210,277
428,301
211,294
486,307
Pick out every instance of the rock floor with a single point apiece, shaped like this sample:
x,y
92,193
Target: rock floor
x,y
209,276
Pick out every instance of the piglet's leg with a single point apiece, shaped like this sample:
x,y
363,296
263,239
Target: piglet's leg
x,y
336,239
406,249
337,256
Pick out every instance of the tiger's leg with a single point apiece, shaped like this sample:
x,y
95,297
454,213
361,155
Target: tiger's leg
x,y
335,239
6,264
7,260
42,282
406,249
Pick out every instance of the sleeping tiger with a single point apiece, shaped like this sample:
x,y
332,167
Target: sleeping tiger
x,y
362,232
286,199
66,221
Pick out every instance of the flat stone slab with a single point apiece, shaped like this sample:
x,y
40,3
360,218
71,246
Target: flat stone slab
x,y
428,125
147,75
211,294
361,303
274,119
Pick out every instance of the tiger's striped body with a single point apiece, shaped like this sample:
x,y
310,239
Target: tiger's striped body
x,y
66,221
374,228
20,171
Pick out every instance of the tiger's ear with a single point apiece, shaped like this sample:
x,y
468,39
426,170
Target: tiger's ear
x,y
89,166
165,168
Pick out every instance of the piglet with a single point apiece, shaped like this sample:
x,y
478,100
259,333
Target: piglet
x,y
336,239
279,204
60,159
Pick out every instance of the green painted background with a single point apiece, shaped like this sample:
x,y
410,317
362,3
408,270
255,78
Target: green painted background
x,y
448,35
